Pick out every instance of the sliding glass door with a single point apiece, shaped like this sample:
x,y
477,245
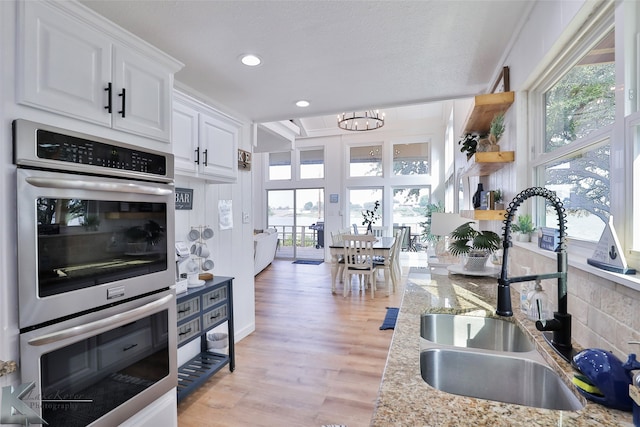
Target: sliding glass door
x,y
298,215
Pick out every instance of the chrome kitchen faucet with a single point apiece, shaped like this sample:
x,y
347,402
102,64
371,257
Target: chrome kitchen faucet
x,y
560,325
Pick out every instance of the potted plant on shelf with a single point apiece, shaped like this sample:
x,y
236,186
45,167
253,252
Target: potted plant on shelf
x,y
369,217
468,144
475,246
523,227
496,129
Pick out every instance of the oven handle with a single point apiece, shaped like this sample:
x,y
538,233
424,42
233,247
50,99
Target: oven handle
x,y
97,186
113,321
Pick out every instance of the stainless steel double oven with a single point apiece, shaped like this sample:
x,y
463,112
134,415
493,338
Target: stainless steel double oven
x,y
95,262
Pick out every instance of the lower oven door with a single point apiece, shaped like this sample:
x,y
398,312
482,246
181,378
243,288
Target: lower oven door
x,y
101,368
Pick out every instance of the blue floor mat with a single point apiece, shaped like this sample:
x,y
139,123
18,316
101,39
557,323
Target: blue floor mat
x,y
390,318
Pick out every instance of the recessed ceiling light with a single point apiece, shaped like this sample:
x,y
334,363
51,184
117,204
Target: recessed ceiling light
x,y
250,60
302,103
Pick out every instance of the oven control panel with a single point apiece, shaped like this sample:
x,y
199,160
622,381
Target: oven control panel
x,y
65,148
41,146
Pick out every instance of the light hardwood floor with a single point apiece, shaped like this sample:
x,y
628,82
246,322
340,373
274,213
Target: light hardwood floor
x,y
314,359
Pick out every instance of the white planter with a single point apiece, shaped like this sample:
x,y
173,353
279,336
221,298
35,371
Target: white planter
x,y
523,237
475,263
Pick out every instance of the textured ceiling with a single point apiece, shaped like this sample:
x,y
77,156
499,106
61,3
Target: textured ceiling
x,y
339,55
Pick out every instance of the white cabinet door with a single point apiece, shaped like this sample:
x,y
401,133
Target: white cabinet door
x,y
142,104
205,142
185,137
218,147
72,63
66,65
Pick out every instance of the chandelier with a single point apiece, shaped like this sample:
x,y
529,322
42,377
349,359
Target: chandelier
x,y
361,121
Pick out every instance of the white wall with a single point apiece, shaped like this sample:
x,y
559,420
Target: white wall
x,y
336,171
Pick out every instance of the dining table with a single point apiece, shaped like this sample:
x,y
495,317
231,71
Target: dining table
x,y
382,247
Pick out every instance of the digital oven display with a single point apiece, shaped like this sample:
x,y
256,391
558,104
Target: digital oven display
x,y
65,148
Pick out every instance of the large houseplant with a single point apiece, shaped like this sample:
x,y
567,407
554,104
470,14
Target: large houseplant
x,y
474,245
426,235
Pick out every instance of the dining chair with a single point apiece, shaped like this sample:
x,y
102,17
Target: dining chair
x,y
396,270
394,262
379,231
336,240
358,256
355,228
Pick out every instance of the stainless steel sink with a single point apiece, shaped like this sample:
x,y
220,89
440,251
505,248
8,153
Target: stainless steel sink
x,y
474,332
497,377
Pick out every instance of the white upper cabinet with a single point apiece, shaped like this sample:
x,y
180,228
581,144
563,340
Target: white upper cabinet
x,y
185,136
205,141
143,102
72,62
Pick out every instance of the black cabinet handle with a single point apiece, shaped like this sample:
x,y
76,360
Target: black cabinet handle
x,y
185,310
197,162
124,100
185,332
205,157
214,298
108,90
130,347
215,317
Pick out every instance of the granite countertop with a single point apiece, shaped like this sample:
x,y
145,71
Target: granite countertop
x,y
405,399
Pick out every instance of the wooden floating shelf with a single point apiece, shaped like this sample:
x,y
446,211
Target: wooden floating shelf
x,y
484,215
486,163
485,107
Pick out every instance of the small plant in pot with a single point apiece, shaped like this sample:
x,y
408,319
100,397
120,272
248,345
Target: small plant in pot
x,y
369,217
523,227
468,144
475,245
496,129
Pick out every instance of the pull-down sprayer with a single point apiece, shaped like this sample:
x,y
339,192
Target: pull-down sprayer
x,y
560,325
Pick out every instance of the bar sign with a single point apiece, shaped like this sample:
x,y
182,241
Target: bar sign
x,y
184,199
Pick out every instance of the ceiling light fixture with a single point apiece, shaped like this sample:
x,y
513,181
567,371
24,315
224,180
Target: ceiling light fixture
x,y
251,60
302,103
361,121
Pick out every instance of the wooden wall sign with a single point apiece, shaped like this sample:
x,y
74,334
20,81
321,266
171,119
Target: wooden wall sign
x,y
244,160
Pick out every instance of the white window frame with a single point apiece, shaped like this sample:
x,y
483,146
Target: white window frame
x,y
383,160
427,158
586,40
299,162
291,167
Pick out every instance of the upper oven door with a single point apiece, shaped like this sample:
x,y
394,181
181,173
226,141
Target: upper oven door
x,y
84,242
